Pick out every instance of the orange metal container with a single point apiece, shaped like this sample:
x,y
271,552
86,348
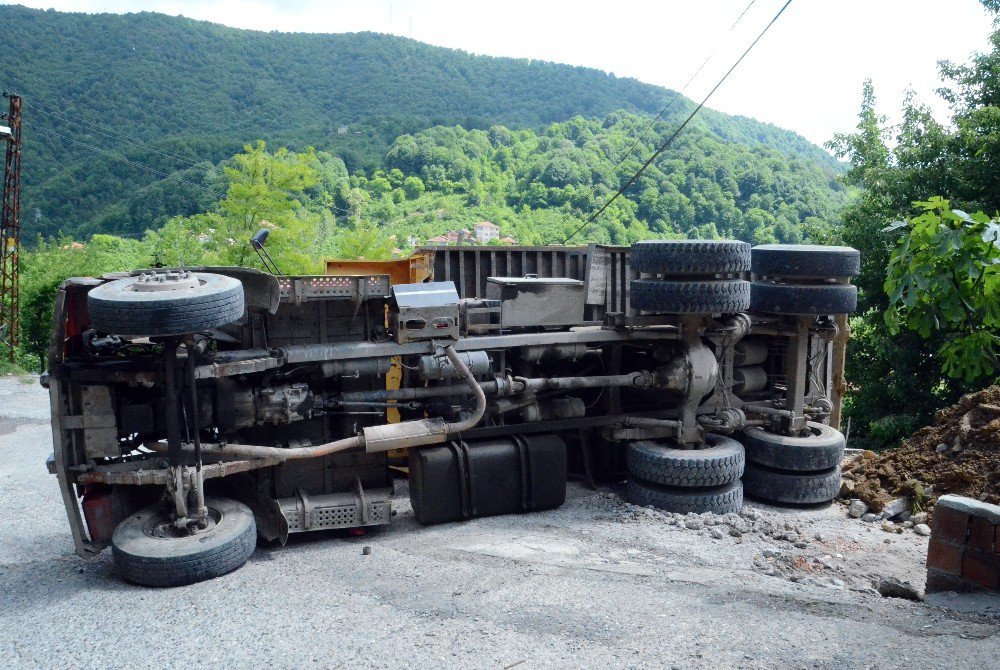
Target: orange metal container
x,y
413,270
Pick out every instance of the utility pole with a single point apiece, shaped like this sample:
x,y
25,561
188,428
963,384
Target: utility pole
x,y
10,227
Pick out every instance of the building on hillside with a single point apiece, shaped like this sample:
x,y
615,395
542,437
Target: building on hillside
x,y
463,236
508,241
486,231
451,237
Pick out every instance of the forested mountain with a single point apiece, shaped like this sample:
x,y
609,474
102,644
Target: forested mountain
x,y
174,97
541,185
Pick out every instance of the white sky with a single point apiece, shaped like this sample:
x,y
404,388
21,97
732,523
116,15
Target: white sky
x,y
805,75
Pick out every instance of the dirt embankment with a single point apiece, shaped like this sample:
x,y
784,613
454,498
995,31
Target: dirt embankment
x,y
959,453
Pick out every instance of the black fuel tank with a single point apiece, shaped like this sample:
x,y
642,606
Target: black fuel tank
x,y
504,475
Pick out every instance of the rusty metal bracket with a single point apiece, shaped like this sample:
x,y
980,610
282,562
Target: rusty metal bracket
x,y
364,513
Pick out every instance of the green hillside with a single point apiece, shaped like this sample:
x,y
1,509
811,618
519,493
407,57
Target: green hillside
x,y
175,97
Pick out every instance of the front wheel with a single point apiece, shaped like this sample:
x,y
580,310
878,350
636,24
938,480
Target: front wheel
x,y
147,550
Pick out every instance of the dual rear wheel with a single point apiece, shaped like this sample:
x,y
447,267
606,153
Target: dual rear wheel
x,y
774,468
793,470
666,476
690,276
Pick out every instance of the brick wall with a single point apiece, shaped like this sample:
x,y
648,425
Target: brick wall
x,y
964,550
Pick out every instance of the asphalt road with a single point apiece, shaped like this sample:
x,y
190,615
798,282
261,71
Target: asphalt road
x,y
595,584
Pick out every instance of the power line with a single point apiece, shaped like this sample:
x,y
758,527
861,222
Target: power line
x,y
123,139
141,166
677,132
677,94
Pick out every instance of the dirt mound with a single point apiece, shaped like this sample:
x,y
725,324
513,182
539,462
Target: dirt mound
x,y
959,454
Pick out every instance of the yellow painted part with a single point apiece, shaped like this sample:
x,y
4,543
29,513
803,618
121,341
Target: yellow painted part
x,y
393,379
413,270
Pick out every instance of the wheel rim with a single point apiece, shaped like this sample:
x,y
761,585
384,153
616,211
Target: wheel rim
x,y
160,526
163,282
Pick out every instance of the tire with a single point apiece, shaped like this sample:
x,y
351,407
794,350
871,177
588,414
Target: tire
x,y
821,450
803,298
118,309
690,257
691,297
718,465
791,488
144,559
720,500
804,260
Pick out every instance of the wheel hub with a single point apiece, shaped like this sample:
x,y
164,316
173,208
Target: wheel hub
x,y
174,280
161,526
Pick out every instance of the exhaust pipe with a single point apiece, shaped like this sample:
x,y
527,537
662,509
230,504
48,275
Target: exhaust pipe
x,y
373,439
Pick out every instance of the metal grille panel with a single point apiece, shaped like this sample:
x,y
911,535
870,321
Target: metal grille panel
x,y
337,510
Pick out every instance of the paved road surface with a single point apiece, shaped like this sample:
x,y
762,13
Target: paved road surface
x,y
596,584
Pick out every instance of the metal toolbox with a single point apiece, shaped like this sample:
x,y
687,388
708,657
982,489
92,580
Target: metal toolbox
x,y
537,302
505,475
424,311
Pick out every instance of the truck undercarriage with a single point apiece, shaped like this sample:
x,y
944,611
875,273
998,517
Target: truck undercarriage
x,y
195,409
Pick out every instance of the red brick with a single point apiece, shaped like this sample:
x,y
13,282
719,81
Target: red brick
x,y
944,556
982,569
938,581
949,525
981,533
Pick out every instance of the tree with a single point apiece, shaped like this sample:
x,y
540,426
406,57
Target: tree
x,y
365,241
261,194
897,376
413,187
944,277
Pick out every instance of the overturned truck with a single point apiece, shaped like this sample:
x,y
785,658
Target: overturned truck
x,y
195,410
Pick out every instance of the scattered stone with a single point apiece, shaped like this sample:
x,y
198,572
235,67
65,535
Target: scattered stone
x,y
919,518
835,583
895,507
818,537
857,509
801,544
890,587
771,552
736,523
694,524
941,448
366,551
735,532
922,529
888,526
847,487
907,524
718,533
869,517
904,516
